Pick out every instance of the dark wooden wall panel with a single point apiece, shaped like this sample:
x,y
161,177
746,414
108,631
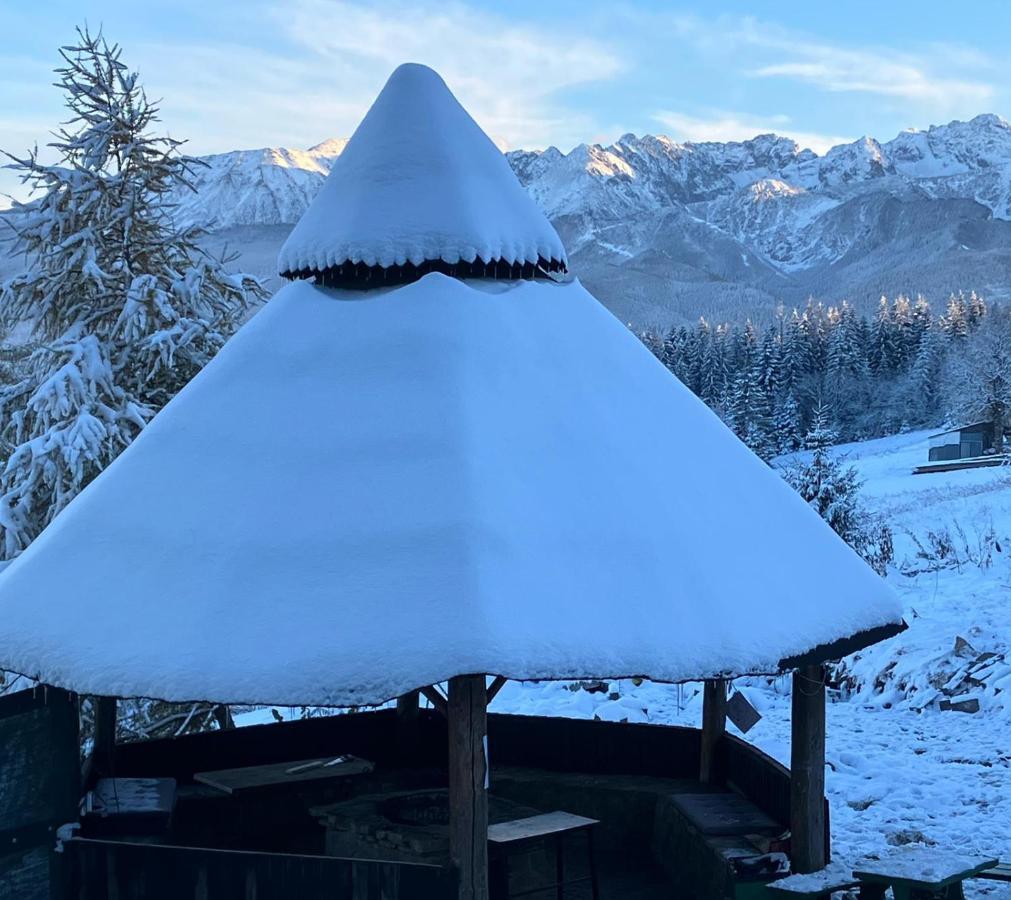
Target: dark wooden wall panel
x,y
39,786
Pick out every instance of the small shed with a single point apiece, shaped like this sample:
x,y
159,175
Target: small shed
x,y
962,442
470,470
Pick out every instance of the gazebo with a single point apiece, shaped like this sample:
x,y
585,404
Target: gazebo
x,y
434,458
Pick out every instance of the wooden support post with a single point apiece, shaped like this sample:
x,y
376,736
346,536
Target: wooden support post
x,y
714,725
408,720
807,771
103,752
468,794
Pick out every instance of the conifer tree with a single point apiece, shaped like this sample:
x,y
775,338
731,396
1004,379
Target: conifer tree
x,y
125,305
955,321
832,489
787,425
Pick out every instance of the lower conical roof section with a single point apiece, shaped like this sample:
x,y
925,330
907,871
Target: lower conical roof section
x,y
355,499
418,182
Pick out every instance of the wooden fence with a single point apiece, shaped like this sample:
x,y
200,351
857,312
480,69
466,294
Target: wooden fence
x,y
120,870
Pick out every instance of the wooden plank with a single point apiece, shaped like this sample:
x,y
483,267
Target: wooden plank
x,y
250,777
999,872
714,725
537,826
468,774
807,771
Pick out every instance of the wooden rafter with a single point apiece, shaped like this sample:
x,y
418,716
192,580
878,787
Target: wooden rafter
x,y
435,697
497,684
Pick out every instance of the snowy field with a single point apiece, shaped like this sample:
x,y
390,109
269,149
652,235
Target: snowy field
x,y
901,771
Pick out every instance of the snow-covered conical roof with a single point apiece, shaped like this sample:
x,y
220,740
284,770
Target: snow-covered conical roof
x,y
419,181
355,499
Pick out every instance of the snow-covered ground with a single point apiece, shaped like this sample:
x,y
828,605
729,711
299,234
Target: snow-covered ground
x,y
901,770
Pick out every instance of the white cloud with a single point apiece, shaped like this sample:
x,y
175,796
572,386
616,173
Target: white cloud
x,y
939,79
728,126
508,74
870,73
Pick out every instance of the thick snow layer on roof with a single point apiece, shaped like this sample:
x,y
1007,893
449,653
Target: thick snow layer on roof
x,y
363,494
419,180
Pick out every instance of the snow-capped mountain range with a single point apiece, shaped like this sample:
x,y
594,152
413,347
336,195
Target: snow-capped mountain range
x,y
665,230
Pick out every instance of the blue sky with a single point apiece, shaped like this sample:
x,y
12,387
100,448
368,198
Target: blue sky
x,y
293,72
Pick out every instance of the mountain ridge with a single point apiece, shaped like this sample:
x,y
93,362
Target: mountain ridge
x,y
689,228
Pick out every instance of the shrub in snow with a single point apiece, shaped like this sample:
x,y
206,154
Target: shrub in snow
x,y
833,491
950,547
126,308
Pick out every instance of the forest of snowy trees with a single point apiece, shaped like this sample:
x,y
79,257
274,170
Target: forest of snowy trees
x,y
905,367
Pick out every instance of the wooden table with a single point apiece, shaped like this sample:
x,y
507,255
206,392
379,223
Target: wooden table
x,y
920,872
251,777
553,824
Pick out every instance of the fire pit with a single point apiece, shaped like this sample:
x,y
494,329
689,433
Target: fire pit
x,y
423,808
408,826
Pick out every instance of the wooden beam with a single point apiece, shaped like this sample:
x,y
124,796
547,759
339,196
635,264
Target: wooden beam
x,y
102,761
807,771
714,725
468,783
498,682
431,693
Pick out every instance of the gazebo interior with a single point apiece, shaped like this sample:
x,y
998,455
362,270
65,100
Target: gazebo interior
x,y
358,805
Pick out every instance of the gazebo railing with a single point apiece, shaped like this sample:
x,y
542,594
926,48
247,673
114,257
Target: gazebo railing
x,y
123,870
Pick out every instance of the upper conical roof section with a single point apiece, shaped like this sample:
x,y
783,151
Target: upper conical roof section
x,y
419,181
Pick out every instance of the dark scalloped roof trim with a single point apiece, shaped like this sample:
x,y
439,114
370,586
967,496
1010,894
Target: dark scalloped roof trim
x,y
359,276
843,647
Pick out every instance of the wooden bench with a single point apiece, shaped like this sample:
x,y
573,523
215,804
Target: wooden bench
x,y
919,872
817,885
999,872
547,825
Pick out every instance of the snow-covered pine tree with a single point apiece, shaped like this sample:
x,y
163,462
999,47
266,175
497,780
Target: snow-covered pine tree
x,y
955,321
925,383
846,370
921,320
978,377
126,307
712,370
832,489
786,424
976,310
883,351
